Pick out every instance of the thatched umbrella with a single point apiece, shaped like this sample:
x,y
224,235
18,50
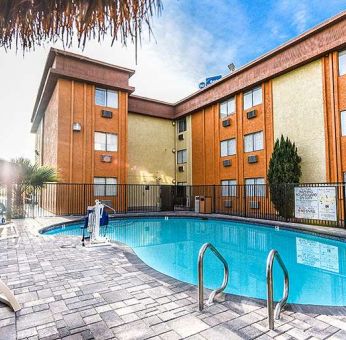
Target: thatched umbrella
x,y
27,23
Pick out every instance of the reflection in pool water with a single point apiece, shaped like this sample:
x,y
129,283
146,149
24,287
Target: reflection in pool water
x,y
316,265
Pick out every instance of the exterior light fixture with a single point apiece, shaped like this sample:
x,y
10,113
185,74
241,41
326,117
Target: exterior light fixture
x,y
76,127
106,158
173,150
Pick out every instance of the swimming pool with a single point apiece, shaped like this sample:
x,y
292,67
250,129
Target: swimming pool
x,y
316,265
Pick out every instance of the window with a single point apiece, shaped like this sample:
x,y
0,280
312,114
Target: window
x,y
181,125
253,97
105,186
255,187
229,187
342,63
107,98
343,123
253,142
228,147
106,141
182,156
227,108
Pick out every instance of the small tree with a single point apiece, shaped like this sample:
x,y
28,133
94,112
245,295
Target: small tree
x,y
284,171
27,178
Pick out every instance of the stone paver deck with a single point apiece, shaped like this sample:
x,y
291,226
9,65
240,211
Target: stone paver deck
x,y
70,292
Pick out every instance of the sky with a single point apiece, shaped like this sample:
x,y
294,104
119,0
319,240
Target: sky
x,y
193,39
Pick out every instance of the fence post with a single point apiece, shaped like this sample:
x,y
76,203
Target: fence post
x,y
9,199
214,200
245,198
286,202
344,200
33,199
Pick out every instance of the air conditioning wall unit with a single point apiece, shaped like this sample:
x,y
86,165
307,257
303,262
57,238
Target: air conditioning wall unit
x,y
106,114
254,205
227,204
181,168
181,136
106,158
227,163
251,114
252,159
226,122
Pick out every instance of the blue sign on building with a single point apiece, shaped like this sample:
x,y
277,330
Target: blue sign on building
x,y
208,81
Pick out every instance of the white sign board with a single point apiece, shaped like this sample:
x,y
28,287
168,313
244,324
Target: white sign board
x,y
317,254
316,203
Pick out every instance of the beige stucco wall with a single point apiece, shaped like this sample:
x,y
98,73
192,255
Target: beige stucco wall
x,y
298,114
50,131
185,176
150,145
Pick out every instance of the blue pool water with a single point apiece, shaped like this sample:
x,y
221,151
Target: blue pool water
x,y
316,265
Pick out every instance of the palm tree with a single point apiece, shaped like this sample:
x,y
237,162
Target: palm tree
x,y
27,179
30,23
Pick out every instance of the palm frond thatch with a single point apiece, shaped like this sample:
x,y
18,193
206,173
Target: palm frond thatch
x,y
27,23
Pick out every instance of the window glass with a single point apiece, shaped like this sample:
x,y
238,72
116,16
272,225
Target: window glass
x,y
100,141
112,99
253,97
229,187
227,108
231,147
343,123
247,100
99,186
257,96
108,98
260,187
248,143
181,125
111,188
342,63
253,142
255,187
224,148
223,110
258,141
112,142
228,147
105,186
100,97
231,106
182,156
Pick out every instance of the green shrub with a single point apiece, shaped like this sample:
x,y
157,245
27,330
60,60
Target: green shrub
x,y
283,174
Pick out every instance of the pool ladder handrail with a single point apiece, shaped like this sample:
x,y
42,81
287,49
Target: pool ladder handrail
x,y
274,254
200,275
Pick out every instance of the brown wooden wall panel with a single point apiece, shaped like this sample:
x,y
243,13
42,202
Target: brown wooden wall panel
x,y
208,132
78,162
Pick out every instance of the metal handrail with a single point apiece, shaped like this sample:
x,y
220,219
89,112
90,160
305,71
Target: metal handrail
x,y
200,275
273,254
107,206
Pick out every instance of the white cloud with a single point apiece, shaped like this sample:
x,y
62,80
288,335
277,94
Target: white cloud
x,y
187,48
300,18
169,68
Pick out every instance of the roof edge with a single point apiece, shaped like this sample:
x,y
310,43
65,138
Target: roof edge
x,y
289,43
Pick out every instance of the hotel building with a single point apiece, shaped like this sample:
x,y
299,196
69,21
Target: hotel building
x,y
92,128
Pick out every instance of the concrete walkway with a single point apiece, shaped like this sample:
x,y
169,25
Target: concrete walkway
x,y
70,292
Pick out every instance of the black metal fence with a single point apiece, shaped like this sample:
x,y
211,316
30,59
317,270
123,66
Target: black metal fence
x,y
316,203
